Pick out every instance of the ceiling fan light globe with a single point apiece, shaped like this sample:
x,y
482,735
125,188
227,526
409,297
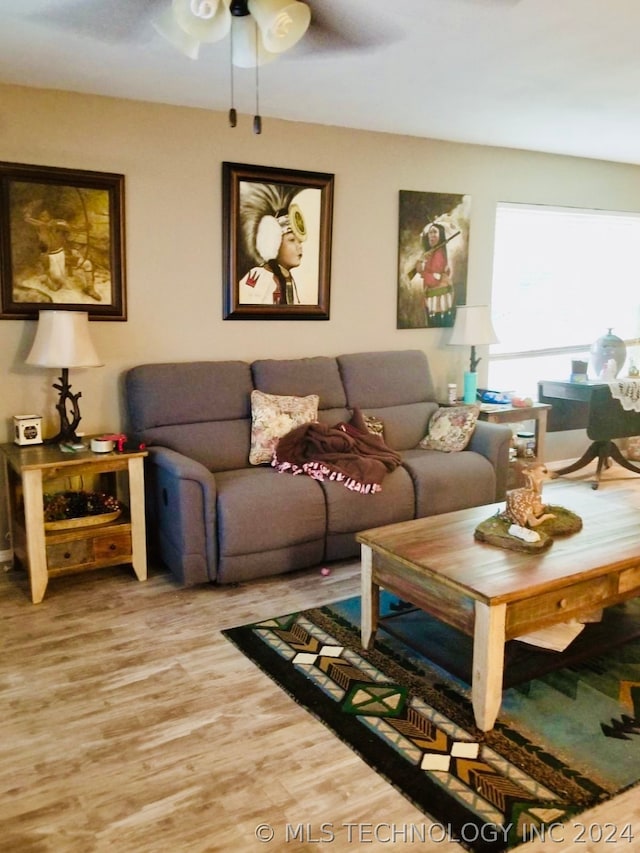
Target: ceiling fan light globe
x,y
167,26
282,22
204,20
204,8
244,34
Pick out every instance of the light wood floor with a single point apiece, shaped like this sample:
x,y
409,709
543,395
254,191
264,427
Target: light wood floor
x,y
130,724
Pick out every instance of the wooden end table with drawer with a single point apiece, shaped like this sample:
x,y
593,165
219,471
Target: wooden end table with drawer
x,y
32,471
536,412
493,594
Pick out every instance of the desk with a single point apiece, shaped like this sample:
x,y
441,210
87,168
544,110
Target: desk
x,y
579,405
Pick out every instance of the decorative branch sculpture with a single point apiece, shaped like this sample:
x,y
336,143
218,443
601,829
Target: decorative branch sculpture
x,y
67,432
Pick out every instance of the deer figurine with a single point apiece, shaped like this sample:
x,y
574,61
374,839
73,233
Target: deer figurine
x,y
524,506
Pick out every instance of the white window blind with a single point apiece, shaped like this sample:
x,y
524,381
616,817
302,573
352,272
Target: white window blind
x,y
562,277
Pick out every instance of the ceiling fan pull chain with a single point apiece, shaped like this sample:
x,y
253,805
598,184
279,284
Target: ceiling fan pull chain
x,y
233,115
257,120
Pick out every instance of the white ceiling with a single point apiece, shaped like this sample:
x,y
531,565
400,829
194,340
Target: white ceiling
x,y
558,76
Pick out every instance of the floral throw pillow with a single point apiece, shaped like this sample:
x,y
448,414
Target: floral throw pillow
x,y
374,425
272,417
450,429
370,423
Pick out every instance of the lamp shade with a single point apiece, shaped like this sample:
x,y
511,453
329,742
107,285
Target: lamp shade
x,y
473,326
62,340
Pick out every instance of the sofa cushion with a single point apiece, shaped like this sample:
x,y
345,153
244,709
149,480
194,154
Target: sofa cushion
x,y
284,540
394,387
218,445
301,377
272,417
445,482
404,426
187,392
349,512
375,380
450,428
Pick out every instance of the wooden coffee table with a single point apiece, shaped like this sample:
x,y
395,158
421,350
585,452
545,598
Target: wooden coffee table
x,y
493,594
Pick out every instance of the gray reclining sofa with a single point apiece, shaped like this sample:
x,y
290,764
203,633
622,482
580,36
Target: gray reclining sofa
x,y
213,517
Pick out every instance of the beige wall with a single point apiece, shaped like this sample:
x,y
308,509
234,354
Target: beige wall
x,y
171,159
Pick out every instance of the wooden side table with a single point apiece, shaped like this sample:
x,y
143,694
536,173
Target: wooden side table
x,y
32,471
504,414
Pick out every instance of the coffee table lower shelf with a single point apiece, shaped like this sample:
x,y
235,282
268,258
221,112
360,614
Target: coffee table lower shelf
x,y
452,650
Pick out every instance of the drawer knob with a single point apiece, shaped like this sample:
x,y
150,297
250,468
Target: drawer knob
x,y
562,603
112,547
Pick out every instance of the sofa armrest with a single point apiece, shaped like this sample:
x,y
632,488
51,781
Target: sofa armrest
x,y
492,441
182,501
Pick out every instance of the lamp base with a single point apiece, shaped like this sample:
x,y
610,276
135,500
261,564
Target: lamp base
x,y
69,420
470,387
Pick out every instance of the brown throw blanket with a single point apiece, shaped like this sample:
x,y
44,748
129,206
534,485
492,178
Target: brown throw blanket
x,y
347,453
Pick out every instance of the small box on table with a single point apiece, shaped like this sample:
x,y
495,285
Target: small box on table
x,y
27,429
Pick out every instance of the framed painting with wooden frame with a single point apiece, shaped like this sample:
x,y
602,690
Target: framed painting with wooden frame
x,y
277,243
433,253
62,242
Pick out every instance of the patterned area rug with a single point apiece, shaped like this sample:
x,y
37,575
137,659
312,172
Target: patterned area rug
x,y
563,742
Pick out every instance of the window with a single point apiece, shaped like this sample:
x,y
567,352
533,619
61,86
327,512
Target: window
x,y
562,278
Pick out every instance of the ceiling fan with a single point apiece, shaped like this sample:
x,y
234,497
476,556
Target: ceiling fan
x,y
333,26
260,29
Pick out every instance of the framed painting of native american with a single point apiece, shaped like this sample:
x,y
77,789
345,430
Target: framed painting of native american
x,y
276,243
433,250
61,242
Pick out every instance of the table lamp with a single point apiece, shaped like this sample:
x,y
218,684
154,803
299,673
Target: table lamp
x,y
62,340
472,328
